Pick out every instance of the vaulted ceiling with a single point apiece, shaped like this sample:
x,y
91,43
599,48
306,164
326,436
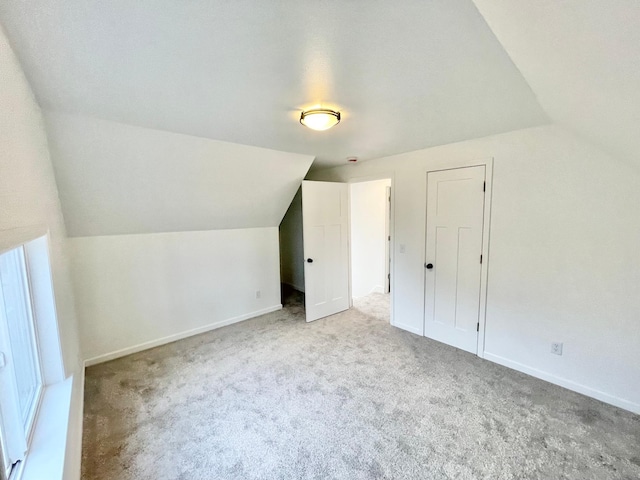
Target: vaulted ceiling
x,y
582,60
122,179
406,75
163,85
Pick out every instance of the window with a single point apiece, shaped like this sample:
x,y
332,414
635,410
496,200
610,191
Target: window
x,y
21,382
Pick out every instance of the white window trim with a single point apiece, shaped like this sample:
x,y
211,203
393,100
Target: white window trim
x,y
16,429
33,414
46,456
48,436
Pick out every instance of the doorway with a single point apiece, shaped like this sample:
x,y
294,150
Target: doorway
x,y
370,241
335,248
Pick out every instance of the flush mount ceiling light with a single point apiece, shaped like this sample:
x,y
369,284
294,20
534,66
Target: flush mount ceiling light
x,y
319,119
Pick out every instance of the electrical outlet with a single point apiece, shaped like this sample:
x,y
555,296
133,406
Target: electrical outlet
x,y
556,348
257,293
402,248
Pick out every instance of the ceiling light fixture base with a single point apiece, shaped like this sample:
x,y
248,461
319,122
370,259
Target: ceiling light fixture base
x,y
320,118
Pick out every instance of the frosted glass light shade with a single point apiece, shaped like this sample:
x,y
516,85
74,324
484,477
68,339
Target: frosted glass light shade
x,y
319,119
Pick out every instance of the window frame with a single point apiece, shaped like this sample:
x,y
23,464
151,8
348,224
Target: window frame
x,y
16,434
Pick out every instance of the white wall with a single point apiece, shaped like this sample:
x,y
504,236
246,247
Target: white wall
x,y
292,246
29,204
172,233
368,204
564,261
138,291
29,207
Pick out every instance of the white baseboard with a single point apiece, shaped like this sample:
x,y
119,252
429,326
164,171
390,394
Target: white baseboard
x,y
408,328
563,382
177,336
376,289
73,451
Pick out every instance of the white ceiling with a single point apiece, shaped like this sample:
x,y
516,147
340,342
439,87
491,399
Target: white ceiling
x,y
142,98
121,179
406,75
582,59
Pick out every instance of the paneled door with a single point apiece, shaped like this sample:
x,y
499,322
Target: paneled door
x,y
326,248
455,222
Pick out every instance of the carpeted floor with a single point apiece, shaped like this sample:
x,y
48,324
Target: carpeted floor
x,y
346,397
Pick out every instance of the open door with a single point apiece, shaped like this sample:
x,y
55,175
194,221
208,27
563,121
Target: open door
x,y
326,248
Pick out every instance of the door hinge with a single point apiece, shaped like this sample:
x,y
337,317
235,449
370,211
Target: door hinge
x,y
478,327
484,186
389,238
480,258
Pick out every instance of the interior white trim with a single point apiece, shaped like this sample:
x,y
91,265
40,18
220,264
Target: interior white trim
x,y
563,382
47,452
484,272
43,303
376,289
73,451
178,336
409,328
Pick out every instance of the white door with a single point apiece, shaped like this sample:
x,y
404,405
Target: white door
x,y
326,248
455,217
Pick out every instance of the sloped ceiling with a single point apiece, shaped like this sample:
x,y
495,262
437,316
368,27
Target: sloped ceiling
x,y
406,75
121,179
582,60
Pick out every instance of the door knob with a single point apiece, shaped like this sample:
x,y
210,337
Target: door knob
x,y
309,260
428,266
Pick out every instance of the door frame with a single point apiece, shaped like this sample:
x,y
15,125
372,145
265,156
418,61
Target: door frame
x,y
387,240
486,230
373,178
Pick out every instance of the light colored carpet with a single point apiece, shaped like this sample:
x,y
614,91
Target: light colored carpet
x,y
346,397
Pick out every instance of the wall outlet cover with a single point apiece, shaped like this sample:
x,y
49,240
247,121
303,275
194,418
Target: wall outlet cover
x,y
556,348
